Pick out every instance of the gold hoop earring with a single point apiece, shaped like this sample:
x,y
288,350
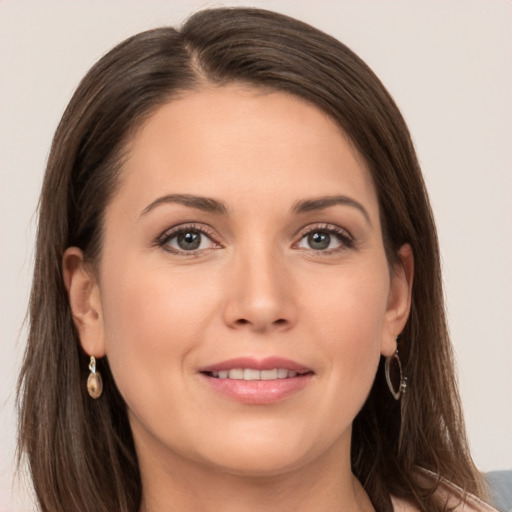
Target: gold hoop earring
x,y
402,386
94,381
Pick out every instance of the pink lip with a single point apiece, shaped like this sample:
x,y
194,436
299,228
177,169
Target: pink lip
x,y
268,363
258,392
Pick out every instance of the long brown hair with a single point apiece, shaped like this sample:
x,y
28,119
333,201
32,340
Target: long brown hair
x,y
81,451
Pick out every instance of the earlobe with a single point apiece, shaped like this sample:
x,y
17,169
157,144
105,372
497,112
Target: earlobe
x,y
84,301
399,300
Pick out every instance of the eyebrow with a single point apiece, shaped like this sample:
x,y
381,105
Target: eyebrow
x,y
205,204
320,203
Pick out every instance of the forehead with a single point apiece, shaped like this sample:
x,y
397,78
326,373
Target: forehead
x,y
242,141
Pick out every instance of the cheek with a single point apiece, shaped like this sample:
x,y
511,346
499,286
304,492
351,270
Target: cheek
x,y
350,304
348,318
152,319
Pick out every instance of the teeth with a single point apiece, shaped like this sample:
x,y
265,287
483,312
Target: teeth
x,y
282,373
268,374
237,374
251,374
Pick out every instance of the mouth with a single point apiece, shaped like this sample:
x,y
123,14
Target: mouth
x,y
253,374
252,381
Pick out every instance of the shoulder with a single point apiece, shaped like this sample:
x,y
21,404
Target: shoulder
x,y
454,503
449,496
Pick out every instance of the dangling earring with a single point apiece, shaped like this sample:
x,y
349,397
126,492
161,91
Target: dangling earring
x,y
94,382
397,393
402,387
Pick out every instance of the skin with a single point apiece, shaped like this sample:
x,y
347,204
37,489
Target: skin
x,y
255,287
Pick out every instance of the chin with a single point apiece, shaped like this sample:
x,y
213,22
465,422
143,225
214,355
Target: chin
x,y
256,465
264,456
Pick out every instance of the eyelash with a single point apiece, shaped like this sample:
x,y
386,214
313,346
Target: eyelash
x,y
343,236
169,235
345,239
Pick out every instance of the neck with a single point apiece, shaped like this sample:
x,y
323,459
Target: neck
x,y
319,486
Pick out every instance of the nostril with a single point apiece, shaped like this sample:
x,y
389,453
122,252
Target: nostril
x,y
244,321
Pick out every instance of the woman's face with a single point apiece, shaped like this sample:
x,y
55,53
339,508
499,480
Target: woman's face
x,y
243,297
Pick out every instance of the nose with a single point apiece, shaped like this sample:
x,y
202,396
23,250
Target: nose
x,y
259,293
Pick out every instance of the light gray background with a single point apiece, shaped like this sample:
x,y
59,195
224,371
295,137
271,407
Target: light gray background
x,y
448,65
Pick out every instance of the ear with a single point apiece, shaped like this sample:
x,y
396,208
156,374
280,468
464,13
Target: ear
x,y
85,302
399,299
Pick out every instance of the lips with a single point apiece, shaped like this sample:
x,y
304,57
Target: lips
x,y
252,374
268,363
257,381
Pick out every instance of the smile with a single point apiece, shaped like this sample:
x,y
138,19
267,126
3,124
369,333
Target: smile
x,y
252,374
257,381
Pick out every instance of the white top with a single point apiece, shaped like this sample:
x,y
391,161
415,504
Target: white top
x,y
450,494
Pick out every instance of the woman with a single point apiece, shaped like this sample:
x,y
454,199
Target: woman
x,y
237,300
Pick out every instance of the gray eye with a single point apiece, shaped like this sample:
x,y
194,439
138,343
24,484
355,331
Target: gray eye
x,y
189,240
319,240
